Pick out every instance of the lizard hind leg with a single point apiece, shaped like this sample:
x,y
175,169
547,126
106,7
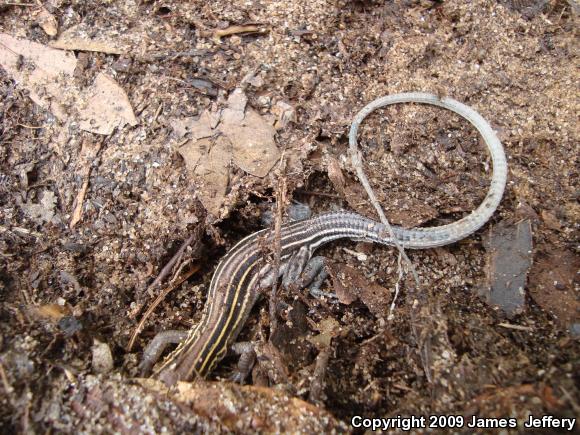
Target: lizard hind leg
x,y
245,349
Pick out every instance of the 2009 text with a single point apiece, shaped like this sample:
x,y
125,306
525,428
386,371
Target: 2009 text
x,y
442,421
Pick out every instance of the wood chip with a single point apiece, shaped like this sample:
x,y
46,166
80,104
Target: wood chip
x,y
47,22
509,259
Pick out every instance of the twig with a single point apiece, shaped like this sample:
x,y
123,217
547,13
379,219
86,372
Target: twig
x,y
31,127
78,209
356,159
156,302
19,230
233,30
357,164
397,288
516,327
79,200
26,413
8,390
317,382
167,268
280,202
157,113
571,400
196,235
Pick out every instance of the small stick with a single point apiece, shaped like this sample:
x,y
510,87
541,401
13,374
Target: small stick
x,y
233,30
280,201
516,327
317,383
397,288
156,302
571,400
32,127
196,235
7,387
79,200
167,268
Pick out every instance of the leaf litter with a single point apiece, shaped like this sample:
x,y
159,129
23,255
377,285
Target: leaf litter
x,y
235,135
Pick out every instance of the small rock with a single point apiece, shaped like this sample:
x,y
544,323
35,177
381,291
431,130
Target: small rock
x,y
102,357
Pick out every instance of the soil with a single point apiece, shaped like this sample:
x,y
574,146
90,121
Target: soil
x,y
65,290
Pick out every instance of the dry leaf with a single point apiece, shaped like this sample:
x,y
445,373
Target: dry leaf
x,y
43,211
335,174
208,161
237,134
196,128
105,41
345,294
50,312
48,74
254,149
353,283
107,107
234,113
551,220
329,328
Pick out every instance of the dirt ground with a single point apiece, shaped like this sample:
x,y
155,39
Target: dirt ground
x,y
72,293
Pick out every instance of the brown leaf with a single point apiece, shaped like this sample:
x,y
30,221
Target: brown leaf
x,y
106,107
254,149
285,114
50,312
196,128
48,75
346,295
329,328
355,284
237,134
208,161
